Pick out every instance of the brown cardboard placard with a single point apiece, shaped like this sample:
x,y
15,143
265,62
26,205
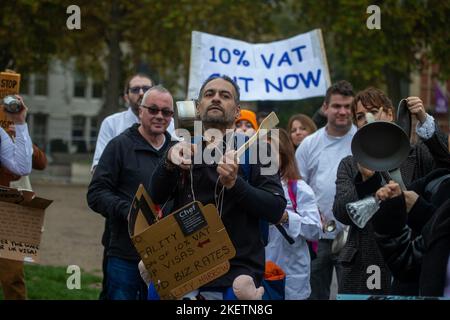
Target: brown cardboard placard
x,y
179,263
21,222
143,212
201,279
9,85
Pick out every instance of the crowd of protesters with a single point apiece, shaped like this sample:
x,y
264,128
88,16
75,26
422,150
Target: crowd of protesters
x,y
309,232
317,176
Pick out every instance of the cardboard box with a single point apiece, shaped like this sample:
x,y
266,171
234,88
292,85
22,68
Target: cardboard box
x,y
9,85
21,222
183,251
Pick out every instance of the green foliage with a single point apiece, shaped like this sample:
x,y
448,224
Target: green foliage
x,y
158,34
411,31
119,36
166,27
28,36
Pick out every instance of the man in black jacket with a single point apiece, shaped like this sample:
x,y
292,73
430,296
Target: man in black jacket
x,y
245,198
127,161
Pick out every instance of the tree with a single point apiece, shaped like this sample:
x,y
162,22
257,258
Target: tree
x,y
119,36
28,36
411,32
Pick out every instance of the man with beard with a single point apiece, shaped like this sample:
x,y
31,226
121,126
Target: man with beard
x,y
318,158
242,198
135,88
128,161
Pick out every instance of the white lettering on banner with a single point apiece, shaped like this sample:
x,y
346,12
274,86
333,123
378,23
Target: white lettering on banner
x,y
290,69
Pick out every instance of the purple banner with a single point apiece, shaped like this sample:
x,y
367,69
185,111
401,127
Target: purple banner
x,y
441,99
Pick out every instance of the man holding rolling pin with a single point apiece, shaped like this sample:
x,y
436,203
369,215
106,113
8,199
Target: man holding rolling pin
x,y
242,193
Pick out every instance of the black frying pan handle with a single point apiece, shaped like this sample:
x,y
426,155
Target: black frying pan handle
x,y
284,233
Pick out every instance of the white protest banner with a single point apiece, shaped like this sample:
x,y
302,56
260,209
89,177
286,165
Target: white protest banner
x,y
291,69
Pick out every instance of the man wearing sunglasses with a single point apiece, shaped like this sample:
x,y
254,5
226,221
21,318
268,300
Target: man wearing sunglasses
x,y
128,161
113,125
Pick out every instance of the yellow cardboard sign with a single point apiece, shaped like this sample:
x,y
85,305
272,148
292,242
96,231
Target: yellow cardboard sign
x,y
183,251
9,85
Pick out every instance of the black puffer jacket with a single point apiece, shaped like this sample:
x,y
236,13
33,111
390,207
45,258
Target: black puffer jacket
x,y
128,160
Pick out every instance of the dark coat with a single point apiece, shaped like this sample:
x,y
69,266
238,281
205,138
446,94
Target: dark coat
x,y
127,161
252,198
361,249
416,245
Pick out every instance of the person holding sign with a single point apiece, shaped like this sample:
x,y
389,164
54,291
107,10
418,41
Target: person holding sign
x,y
242,198
15,160
16,155
128,161
12,276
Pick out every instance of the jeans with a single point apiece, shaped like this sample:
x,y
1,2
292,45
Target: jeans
x,y
322,271
124,281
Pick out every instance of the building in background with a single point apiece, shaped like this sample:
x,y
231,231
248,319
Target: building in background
x,y
434,94
63,107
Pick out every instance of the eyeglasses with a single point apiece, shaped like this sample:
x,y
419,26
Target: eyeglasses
x,y
136,90
153,110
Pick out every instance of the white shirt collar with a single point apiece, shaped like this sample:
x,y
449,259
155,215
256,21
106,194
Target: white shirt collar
x,y
130,114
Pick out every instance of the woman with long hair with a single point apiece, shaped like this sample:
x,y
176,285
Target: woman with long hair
x,y
299,127
301,221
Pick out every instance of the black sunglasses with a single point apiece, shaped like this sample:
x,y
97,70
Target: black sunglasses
x,y
136,90
153,110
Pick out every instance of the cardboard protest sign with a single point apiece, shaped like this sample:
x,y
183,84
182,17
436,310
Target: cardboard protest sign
x,y
21,222
9,85
291,69
183,251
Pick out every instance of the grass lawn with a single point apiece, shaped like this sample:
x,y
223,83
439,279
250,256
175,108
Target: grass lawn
x,y
50,283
